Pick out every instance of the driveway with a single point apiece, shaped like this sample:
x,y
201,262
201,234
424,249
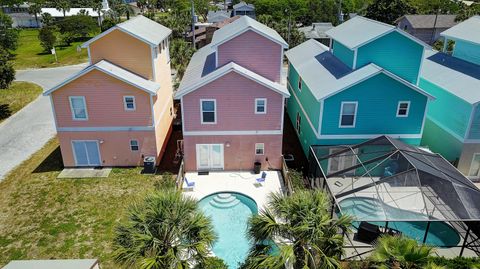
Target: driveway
x,y
28,130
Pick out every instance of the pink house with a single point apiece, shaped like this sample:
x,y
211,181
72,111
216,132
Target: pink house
x,y
119,109
232,100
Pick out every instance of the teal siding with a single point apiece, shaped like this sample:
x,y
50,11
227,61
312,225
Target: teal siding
x,y
377,99
394,52
440,110
440,141
467,51
475,126
343,53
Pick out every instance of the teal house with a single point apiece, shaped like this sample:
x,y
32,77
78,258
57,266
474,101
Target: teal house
x,y
364,85
452,127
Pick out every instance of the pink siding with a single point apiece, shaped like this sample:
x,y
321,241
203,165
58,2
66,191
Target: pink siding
x,y
241,153
254,52
235,96
104,99
115,149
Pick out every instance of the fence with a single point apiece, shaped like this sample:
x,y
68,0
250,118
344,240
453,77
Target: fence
x,y
286,178
180,175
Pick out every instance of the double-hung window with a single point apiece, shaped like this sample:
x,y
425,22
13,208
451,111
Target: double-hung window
x,y
129,103
208,108
134,145
403,109
260,106
259,148
78,107
348,114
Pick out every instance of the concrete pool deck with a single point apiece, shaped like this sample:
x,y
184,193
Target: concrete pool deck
x,y
241,182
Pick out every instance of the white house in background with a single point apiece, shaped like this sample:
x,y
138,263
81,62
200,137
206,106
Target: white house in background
x,y
54,264
243,8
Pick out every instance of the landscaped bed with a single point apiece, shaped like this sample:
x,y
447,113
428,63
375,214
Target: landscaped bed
x,y
18,95
45,217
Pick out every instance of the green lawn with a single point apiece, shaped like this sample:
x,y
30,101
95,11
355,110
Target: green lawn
x,y
30,53
19,95
43,217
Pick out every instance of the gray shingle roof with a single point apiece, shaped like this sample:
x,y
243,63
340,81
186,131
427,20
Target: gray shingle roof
x,y
325,75
456,76
217,16
114,71
52,264
140,27
242,4
428,21
239,26
468,30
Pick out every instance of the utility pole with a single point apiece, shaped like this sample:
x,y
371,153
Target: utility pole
x,y
289,25
193,24
432,39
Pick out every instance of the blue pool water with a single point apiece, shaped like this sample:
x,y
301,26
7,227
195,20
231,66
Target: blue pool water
x,y
440,234
230,213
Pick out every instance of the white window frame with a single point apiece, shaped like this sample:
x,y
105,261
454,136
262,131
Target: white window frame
x,y
354,115
265,105
73,111
137,145
398,109
259,146
125,103
214,111
300,82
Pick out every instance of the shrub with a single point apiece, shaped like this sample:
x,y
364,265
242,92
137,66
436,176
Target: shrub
x,y
167,181
212,263
107,24
5,111
296,177
47,38
7,72
457,263
78,26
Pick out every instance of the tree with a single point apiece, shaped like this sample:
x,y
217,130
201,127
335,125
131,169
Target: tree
x,y
217,263
62,5
202,7
468,11
294,36
388,11
47,37
436,6
7,72
35,8
77,26
107,24
178,21
8,34
400,252
98,6
47,19
166,230
180,52
309,236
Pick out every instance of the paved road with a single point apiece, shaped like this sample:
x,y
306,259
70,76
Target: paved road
x,y
28,130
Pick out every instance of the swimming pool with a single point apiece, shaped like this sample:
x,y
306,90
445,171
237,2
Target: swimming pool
x,y
440,234
230,213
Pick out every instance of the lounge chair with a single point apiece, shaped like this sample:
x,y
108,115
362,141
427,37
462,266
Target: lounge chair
x,y
262,179
188,184
368,232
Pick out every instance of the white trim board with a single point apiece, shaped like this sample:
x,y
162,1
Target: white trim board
x,y
213,133
106,129
369,136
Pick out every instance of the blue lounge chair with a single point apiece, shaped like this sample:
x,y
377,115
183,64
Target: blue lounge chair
x,y
262,179
188,184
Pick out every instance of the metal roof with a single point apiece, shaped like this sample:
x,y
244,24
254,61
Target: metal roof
x,y
430,21
325,74
52,264
468,30
140,27
243,4
457,76
358,31
242,25
217,16
316,30
114,71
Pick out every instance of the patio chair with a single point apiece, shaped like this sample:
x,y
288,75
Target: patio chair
x,y
368,232
262,179
188,185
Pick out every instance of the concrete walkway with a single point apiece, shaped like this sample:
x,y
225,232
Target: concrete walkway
x,y
28,130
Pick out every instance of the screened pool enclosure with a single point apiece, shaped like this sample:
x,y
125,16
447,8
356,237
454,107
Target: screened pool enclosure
x,y
387,186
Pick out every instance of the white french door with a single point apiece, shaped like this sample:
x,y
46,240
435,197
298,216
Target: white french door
x,y
86,153
209,156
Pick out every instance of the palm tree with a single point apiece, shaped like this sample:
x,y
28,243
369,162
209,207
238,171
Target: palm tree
x,y
35,8
166,230
62,5
400,252
181,52
98,6
304,233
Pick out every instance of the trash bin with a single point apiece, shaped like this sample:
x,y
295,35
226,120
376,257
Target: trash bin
x,y
257,166
149,165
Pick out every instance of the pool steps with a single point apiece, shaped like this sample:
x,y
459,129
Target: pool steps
x,y
224,200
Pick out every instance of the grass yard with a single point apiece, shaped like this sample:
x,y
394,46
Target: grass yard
x,y
43,217
18,95
30,53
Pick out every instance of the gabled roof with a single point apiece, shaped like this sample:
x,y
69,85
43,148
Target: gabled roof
x,y
243,4
459,77
117,72
359,31
468,30
52,264
139,27
217,16
242,25
325,75
430,21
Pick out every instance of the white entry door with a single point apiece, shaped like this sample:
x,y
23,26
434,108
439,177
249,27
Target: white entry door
x,y
342,161
86,153
209,156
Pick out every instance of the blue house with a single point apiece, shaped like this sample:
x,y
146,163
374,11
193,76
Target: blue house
x,y
365,84
452,127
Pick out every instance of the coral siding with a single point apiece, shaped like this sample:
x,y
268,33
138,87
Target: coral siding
x,y
115,150
241,153
235,96
254,52
123,50
104,99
